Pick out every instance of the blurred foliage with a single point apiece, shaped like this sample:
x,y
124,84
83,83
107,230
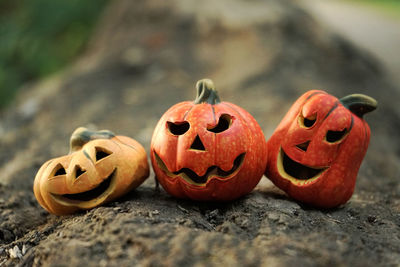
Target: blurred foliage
x,y
38,37
390,7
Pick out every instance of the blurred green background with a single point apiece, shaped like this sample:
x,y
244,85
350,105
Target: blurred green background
x,y
40,37
390,7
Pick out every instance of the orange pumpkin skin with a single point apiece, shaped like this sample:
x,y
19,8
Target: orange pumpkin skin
x,y
100,168
219,155
317,149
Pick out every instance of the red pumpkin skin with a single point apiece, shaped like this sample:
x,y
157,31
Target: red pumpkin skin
x,y
220,149
339,161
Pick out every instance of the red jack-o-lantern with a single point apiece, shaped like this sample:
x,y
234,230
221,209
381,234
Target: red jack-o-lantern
x,y
207,149
100,168
316,151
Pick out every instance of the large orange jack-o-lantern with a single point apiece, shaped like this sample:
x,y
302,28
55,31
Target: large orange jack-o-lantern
x,y
207,149
99,168
316,151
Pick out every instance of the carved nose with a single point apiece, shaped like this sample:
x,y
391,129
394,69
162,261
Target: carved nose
x,y
78,171
303,146
197,144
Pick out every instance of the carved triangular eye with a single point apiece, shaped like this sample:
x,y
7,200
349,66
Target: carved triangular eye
x,y
102,153
224,123
59,170
334,136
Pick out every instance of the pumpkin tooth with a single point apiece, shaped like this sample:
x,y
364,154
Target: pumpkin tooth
x,y
192,177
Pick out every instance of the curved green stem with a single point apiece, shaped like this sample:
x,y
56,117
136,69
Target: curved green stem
x,y
206,92
82,135
359,104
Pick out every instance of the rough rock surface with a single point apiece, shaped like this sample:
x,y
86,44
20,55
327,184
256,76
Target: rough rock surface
x,y
145,57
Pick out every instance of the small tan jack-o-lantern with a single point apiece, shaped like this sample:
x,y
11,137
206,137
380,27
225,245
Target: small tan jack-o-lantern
x,y
99,168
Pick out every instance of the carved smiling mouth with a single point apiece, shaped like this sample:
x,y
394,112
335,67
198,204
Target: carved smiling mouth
x,y
213,171
96,194
295,172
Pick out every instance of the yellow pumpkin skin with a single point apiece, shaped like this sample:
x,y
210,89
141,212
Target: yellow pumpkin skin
x,y
100,168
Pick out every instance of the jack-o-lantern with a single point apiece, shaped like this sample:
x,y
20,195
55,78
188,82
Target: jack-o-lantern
x,y
208,149
99,168
317,149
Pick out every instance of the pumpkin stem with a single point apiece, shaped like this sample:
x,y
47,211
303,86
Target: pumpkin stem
x,y
359,104
82,135
206,92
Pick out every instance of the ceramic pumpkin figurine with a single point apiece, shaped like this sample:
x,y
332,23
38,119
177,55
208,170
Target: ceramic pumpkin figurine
x,y
317,149
208,149
99,168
